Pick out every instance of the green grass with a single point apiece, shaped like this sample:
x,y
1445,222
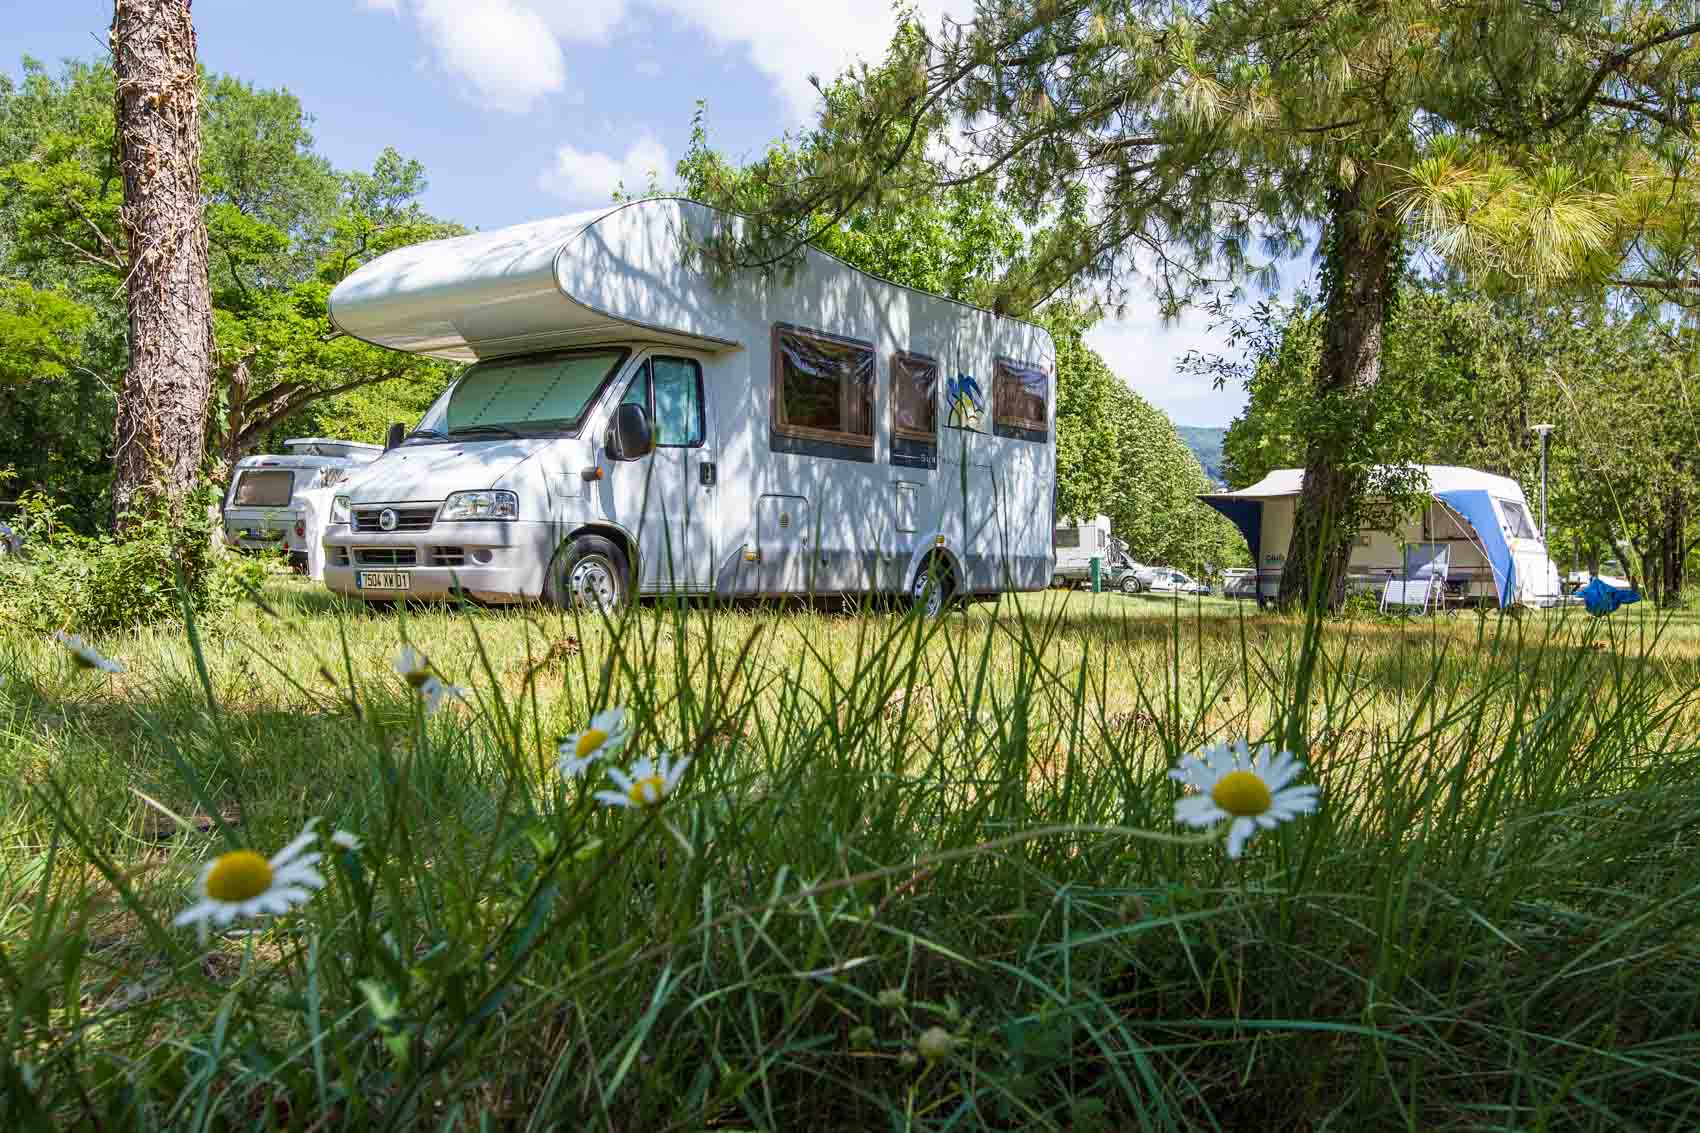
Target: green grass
x,y
892,825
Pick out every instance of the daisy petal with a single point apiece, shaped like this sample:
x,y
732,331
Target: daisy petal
x,y
1238,833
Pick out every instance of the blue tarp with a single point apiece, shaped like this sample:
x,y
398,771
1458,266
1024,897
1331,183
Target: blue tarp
x,y
1476,506
1601,598
1247,515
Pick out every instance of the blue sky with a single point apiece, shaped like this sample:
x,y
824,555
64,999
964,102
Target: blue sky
x,y
521,109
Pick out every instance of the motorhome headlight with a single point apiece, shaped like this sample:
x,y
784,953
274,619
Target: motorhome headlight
x,y
339,510
479,505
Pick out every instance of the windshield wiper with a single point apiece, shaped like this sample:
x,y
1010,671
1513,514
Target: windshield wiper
x,y
471,429
426,433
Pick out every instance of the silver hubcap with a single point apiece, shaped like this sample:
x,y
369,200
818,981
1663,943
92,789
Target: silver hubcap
x,y
929,594
593,583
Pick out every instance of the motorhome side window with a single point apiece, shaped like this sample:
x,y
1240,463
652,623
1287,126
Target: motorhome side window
x,y
914,410
823,395
670,391
1019,400
1068,537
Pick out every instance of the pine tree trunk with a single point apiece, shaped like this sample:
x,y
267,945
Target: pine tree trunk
x,y
1358,289
163,402
1673,547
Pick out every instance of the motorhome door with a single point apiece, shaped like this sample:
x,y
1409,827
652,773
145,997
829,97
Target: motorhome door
x,y
668,497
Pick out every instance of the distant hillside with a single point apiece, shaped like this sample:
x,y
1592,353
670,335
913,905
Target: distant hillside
x,y
1206,444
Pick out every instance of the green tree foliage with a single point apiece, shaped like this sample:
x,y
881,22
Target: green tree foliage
x,y
283,228
1119,455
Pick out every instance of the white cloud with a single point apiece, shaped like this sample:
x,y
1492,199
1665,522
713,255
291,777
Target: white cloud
x,y
503,48
585,177
511,52
823,38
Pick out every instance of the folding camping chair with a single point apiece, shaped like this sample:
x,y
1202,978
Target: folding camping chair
x,y
1423,585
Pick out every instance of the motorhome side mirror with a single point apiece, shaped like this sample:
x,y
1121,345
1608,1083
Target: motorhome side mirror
x,y
395,435
628,434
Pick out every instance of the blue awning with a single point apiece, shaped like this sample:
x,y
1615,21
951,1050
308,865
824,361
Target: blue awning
x,y
1476,506
1247,515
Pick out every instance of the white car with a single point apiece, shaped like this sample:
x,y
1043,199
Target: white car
x,y
1166,580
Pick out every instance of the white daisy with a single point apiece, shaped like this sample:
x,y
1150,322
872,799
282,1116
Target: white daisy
x,y
602,739
243,884
343,840
1232,782
413,666
647,785
84,654
432,690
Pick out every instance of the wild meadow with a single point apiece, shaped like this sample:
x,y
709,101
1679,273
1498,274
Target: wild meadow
x,y
917,874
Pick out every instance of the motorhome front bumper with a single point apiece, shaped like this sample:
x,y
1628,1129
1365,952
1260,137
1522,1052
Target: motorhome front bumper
x,y
492,561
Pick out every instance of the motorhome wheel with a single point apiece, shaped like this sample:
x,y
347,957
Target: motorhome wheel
x,y
590,572
1130,584
935,585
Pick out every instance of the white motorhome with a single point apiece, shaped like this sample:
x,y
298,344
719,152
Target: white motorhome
x,y
278,502
1079,541
1478,521
630,418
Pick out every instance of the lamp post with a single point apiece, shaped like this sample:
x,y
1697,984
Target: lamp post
x,y
1546,435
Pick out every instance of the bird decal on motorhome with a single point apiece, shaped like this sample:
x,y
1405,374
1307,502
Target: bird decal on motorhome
x,y
962,393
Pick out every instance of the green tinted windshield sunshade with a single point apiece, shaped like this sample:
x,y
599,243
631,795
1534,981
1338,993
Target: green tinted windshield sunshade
x,y
552,389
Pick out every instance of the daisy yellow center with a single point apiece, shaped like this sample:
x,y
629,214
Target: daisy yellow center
x,y
239,876
592,739
647,791
1241,793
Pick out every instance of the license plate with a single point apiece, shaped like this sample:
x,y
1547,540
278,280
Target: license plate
x,y
383,580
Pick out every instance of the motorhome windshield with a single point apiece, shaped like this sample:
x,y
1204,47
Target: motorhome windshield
x,y
533,395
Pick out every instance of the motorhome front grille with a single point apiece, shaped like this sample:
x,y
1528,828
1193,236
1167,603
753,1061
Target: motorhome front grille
x,y
386,556
406,518
448,556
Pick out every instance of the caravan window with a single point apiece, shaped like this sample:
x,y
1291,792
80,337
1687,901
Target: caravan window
x,y
1517,524
1020,400
914,396
1068,537
823,394
914,410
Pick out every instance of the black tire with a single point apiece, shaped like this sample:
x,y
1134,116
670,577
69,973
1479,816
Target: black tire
x,y
590,566
934,589
1058,582
1129,584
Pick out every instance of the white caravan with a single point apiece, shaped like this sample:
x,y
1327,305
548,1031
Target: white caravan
x,y
629,417
279,502
1493,553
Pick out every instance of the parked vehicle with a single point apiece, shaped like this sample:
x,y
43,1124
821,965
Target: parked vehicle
x,y
634,424
1078,542
1494,552
1239,582
279,502
1167,580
